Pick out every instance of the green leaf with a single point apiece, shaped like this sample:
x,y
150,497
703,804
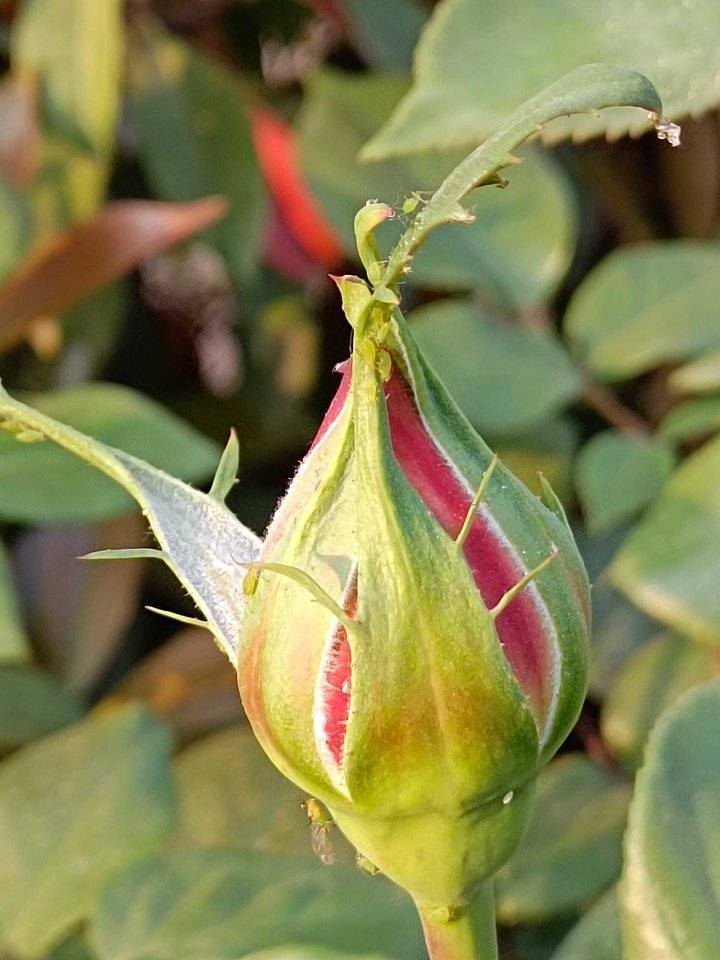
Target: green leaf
x,y
41,484
631,313
522,240
231,795
194,140
545,449
226,474
572,849
670,565
76,46
472,67
222,904
75,808
597,935
13,641
384,34
651,681
694,419
15,227
670,891
588,88
74,948
505,377
205,546
698,376
300,952
32,704
617,474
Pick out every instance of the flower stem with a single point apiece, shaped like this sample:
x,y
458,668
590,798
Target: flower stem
x,y
469,936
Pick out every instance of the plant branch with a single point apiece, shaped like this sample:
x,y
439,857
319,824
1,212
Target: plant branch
x,y
469,936
605,402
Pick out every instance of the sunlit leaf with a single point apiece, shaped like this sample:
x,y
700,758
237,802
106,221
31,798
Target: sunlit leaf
x,y
505,377
698,376
74,808
221,904
572,850
204,544
14,226
632,312
76,46
617,474
695,418
13,641
194,140
81,261
651,681
474,65
670,891
232,796
670,565
597,935
40,483
522,240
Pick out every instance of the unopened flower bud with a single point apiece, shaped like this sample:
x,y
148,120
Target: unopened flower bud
x,y
415,648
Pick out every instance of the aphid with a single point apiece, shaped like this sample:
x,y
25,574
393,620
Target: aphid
x,y
320,823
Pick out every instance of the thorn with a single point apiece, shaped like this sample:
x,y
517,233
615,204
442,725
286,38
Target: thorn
x,y
472,510
189,621
132,553
310,584
521,584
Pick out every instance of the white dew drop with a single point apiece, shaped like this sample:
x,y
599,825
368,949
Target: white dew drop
x,y
666,130
508,797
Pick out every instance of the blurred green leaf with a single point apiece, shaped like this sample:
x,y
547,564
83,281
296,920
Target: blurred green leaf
x,y
13,641
464,86
547,448
670,891
597,935
231,795
15,227
384,34
504,376
693,419
300,952
617,474
204,545
221,904
698,376
75,948
32,704
40,483
572,849
669,565
618,627
522,240
632,312
76,46
651,681
195,140
74,808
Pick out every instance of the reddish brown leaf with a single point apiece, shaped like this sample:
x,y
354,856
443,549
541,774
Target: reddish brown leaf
x,y
79,261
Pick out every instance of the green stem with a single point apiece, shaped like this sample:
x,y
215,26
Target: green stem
x,y
470,936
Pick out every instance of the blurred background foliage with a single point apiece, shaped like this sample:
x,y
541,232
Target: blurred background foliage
x,y
177,180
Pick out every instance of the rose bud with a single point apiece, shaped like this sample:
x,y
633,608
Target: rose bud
x,y
415,642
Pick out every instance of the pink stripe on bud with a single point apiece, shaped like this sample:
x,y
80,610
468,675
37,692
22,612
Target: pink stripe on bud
x,y
521,627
